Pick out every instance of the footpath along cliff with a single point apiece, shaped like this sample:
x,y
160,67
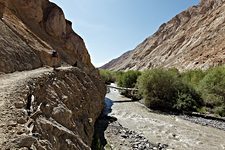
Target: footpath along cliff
x,y
41,108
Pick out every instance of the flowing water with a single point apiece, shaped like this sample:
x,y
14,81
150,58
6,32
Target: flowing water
x,y
179,134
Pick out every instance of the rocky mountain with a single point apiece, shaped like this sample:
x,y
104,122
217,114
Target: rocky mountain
x,y
41,108
30,30
192,39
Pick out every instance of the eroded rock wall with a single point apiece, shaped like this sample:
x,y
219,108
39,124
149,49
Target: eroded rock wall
x,y
40,26
41,108
54,111
192,39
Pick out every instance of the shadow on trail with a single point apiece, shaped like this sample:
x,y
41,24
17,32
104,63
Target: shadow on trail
x,y
101,125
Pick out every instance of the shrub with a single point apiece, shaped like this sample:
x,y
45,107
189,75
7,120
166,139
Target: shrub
x,y
164,90
186,102
134,95
128,79
220,110
158,88
193,77
212,87
107,76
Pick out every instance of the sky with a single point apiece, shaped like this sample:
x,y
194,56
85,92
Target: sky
x,y
111,27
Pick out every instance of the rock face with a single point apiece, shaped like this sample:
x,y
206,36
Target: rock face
x,y
192,39
41,108
31,29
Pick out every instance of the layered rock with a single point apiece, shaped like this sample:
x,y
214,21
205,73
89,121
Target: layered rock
x,y
192,39
41,108
40,26
49,110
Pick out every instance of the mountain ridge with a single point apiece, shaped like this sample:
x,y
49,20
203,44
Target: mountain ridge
x,y
192,39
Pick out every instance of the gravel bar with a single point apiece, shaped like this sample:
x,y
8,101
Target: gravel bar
x,y
219,124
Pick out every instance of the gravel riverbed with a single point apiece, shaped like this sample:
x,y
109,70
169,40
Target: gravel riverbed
x,y
119,137
205,122
176,132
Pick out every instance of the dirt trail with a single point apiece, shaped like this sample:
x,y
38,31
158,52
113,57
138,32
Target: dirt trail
x,y
179,134
10,86
10,82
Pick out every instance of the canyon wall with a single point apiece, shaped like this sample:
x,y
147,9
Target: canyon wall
x,y
31,29
42,108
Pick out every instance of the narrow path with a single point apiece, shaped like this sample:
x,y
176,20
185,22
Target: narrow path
x,y
10,82
10,86
171,130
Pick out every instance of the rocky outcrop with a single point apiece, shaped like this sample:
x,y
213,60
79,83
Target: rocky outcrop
x,y
40,26
41,108
49,110
192,39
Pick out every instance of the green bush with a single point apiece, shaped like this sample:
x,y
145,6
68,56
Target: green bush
x,y
186,102
220,110
164,90
212,87
134,95
108,76
193,77
127,79
158,88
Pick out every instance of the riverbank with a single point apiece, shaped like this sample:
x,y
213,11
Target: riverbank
x,y
173,131
204,120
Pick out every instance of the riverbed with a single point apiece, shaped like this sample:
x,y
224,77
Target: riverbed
x,y
159,128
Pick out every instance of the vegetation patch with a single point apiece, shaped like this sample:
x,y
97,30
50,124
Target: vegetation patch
x,y
127,79
171,90
164,90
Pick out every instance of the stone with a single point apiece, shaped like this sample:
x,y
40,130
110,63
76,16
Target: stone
x,y
124,136
12,123
56,23
21,120
21,131
19,104
24,141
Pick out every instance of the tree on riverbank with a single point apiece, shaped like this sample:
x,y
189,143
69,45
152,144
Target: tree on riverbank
x,y
171,90
108,76
164,90
128,79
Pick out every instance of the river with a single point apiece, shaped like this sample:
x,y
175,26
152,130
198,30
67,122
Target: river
x,y
157,128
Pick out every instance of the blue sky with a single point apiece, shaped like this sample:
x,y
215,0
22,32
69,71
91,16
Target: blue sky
x,y
112,27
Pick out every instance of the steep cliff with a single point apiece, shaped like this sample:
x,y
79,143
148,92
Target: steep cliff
x,y
192,39
31,29
41,108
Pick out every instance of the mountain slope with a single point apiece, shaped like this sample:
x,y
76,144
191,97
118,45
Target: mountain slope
x,y
30,30
192,39
42,108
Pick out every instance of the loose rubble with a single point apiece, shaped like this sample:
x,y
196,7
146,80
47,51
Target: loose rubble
x,y
205,122
130,139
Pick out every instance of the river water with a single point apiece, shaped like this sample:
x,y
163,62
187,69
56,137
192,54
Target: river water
x,y
179,134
